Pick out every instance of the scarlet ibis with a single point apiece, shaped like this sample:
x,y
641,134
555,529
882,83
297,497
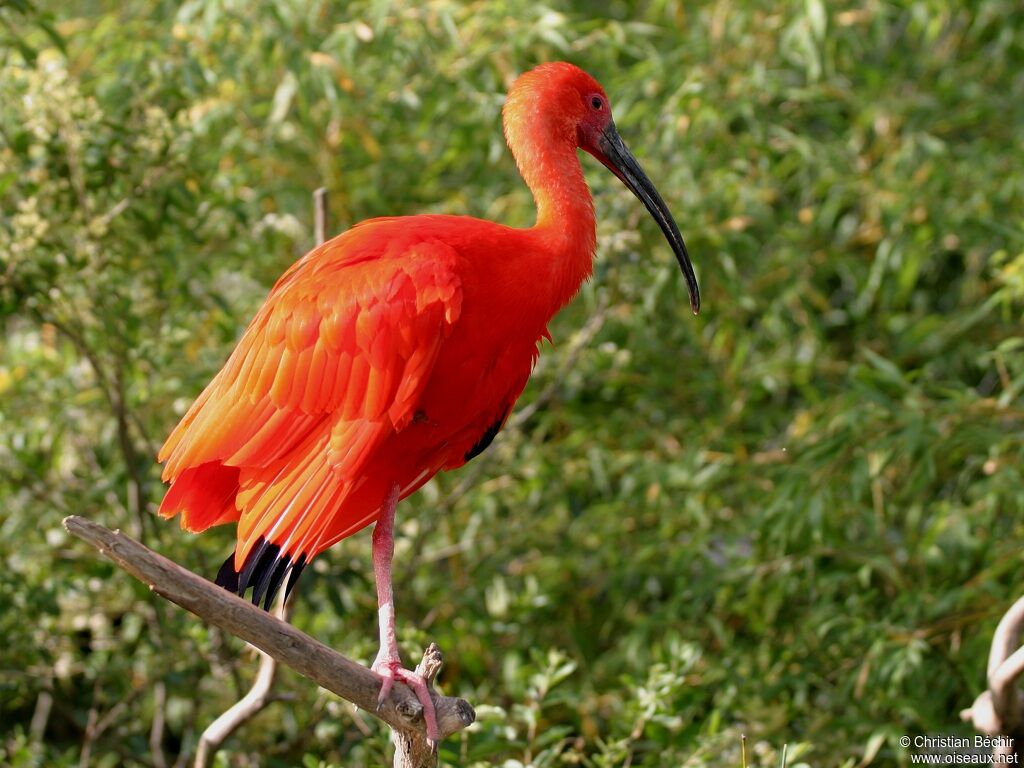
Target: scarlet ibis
x,y
391,352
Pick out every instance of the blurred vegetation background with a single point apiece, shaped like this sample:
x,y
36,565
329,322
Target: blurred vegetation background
x,y
798,516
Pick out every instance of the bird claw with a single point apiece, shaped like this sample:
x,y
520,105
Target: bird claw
x,y
385,687
391,670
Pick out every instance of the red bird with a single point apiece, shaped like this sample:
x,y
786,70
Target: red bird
x,y
392,352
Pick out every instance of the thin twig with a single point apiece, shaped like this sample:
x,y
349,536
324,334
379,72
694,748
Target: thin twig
x,y
156,731
41,716
307,656
90,731
136,491
96,726
112,387
70,718
320,215
247,707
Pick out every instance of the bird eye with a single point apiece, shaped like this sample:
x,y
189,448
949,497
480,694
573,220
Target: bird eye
x,y
596,102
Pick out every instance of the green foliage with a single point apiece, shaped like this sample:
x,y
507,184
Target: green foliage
x,y
797,516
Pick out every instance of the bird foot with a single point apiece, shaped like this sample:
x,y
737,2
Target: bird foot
x,y
391,669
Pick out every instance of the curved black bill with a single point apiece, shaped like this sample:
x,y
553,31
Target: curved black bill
x,y
620,161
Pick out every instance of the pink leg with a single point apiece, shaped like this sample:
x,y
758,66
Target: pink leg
x,y
388,663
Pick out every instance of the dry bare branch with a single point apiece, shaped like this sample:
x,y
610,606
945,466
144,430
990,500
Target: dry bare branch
x,y
999,711
307,656
247,707
320,215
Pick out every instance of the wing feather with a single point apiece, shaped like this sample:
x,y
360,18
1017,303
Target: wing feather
x,y
331,366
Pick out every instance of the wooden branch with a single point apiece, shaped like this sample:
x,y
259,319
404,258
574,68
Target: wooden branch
x,y
999,711
1005,642
307,656
320,215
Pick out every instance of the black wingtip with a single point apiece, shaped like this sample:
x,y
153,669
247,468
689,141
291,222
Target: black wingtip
x,y
227,576
293,579
264,570
260,557
269,582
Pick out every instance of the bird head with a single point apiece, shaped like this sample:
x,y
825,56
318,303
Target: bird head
x,y
571,106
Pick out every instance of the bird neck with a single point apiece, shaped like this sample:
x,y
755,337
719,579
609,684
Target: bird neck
x,y
565,233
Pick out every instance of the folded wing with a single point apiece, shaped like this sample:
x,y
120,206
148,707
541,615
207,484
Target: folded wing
x,y
332,365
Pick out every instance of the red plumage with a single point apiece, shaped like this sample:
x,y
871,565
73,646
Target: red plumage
x,y
394,351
